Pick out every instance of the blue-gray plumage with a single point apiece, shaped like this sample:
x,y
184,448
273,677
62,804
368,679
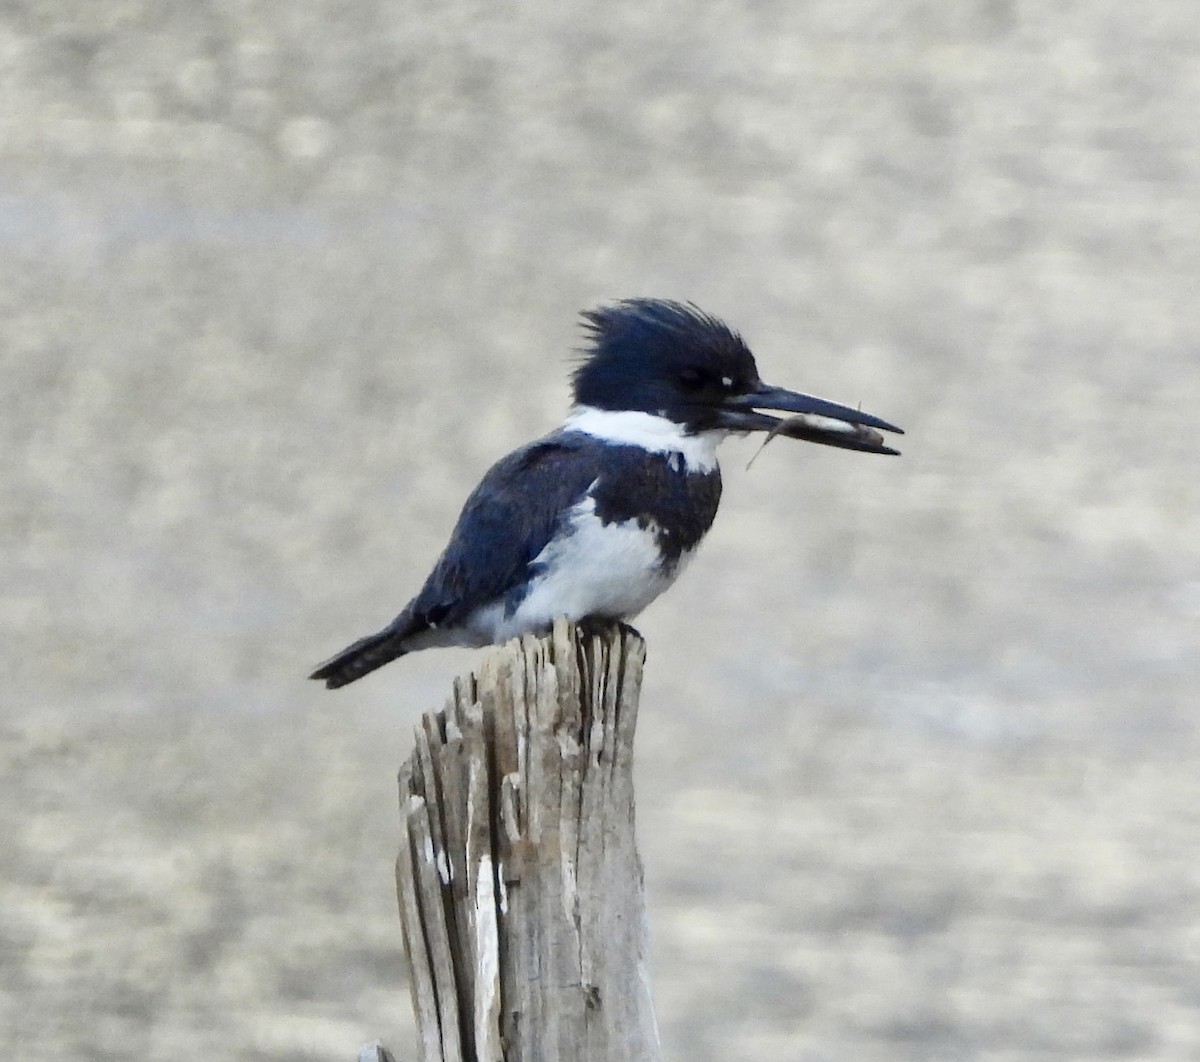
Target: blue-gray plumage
x,y
598,518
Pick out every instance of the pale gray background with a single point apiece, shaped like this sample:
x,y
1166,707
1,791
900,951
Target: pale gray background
x,y
917,768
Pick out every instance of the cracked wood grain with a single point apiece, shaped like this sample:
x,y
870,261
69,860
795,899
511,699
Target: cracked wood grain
x,y
519,882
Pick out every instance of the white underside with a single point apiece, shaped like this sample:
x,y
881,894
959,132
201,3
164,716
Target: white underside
x,y
611,570
657,435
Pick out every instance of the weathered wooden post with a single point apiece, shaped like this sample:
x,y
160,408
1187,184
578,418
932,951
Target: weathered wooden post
x,y
519,883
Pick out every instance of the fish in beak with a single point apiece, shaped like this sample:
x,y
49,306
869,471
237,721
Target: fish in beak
x,y
813,419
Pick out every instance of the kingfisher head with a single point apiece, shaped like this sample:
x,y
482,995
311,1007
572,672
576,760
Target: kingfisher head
x,y
672,360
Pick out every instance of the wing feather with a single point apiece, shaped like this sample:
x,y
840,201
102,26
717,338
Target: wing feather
x,y
505,523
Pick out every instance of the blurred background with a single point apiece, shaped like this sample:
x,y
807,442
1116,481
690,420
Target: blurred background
x,y
279,281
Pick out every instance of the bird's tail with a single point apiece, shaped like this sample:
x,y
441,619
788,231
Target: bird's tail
x,y
365,655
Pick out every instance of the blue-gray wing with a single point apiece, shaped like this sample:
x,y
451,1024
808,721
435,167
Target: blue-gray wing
x,y
506,522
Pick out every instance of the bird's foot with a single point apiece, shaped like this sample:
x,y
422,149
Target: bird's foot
x,y
603,627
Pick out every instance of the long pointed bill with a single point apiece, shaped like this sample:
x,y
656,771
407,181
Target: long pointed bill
x,y
814,420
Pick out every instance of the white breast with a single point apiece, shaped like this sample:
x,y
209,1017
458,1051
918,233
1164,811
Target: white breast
x,y
598,569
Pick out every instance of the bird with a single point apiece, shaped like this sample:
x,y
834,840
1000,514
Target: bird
x,y
596,519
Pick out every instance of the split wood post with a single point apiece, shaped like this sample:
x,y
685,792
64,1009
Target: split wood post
x,y
519,883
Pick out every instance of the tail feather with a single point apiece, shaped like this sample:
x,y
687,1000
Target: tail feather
x,y
363,657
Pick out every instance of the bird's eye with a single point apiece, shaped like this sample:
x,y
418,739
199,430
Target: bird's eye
x,y
691,379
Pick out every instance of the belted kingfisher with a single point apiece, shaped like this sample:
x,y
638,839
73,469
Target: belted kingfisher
x,y
598,518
